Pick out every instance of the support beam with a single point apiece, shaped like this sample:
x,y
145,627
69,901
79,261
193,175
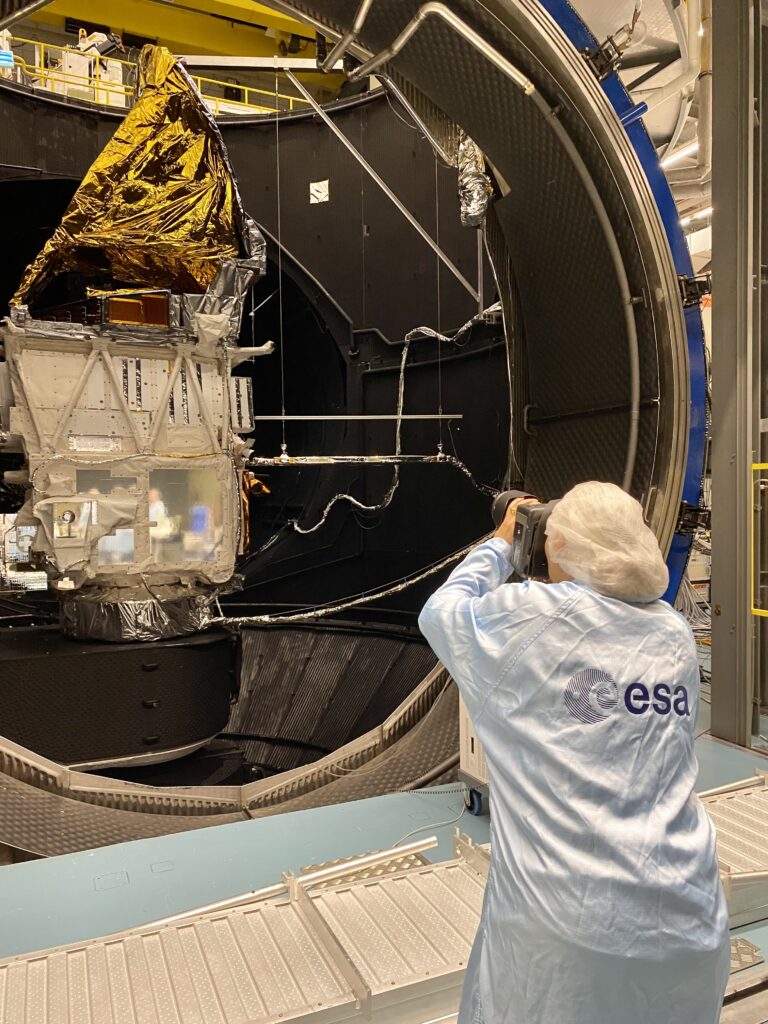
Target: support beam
x,y
382,184
387,416
303,65
736,366
213,26
17,11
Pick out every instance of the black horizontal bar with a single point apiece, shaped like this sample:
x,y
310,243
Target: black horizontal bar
x,y
276,741
577,414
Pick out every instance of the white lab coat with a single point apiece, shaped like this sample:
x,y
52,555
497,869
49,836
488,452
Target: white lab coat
x,y
603,903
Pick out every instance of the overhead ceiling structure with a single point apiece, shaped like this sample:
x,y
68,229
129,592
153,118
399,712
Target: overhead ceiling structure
x,y
667,65
657,54
587,224
231,27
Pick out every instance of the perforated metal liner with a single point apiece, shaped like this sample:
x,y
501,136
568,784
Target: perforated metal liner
x,y
47,810
576,336
320,688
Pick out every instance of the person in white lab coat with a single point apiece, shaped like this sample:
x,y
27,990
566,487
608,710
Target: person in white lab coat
x,y
603,903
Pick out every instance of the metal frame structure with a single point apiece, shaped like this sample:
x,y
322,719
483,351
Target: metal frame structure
x,y
139,439
382,937
381,183
110,82
736,365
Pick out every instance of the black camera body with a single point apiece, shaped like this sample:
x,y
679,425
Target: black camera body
x,y
528,558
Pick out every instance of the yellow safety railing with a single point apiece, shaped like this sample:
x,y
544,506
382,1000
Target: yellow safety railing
x,y
248,91
757,467
109,81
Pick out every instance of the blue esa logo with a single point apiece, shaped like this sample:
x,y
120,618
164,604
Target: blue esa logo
x,y
662,699
591,695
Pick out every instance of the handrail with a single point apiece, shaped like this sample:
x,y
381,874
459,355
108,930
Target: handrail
x,y
297,885
198,79
56,75
49,75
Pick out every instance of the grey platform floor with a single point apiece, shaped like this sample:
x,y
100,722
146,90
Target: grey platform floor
x,y
83,895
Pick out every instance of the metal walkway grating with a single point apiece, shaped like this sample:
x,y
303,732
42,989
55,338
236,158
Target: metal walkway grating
x,y
293,952
334,953
48,809
744,954
741,820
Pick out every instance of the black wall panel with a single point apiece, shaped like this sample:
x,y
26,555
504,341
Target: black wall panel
x,y
113,700
358,246
383,279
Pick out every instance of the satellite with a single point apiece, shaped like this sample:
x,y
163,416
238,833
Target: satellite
x,y
117,386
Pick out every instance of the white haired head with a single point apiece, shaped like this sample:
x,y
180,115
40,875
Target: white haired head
x,y
597,534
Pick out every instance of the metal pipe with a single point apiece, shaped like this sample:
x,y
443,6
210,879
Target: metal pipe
x,y
401,98
21,13
698,174
684,82
387,416
439,458
460,27
349,37
382,184
256,896
515,75
682,121
734,787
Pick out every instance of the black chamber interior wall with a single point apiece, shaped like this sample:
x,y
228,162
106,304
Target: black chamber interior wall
x,y
341,348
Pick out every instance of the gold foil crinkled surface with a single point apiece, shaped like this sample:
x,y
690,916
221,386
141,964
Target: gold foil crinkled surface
x,y
159,206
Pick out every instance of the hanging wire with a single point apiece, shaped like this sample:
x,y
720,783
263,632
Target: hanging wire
x,y
284,446
415,128
367,597
439,317
451,459
432,825
364,279
386,500
255,309
697,612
